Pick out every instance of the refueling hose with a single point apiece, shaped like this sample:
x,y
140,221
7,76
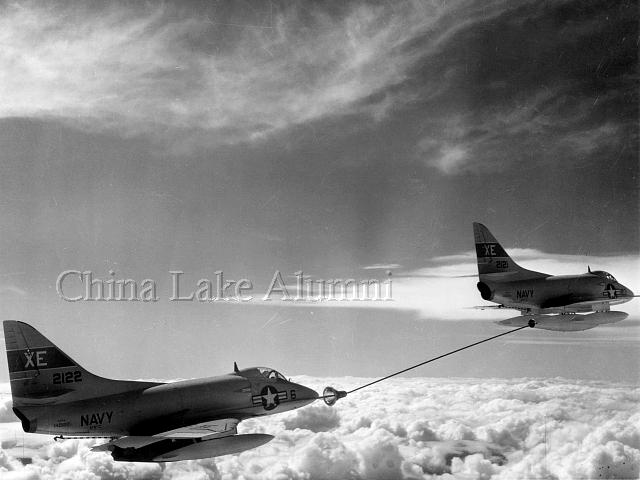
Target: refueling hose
x,y
330,395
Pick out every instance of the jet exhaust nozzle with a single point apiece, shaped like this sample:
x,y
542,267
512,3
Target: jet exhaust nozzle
x,y
330,395
485,291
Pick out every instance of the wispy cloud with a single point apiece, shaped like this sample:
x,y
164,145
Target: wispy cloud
x,y
13,290
541,129
449,158
382,266
142,68
521,91
175,71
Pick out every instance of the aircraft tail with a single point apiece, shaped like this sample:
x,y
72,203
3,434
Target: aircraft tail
x,y
42,374
493,259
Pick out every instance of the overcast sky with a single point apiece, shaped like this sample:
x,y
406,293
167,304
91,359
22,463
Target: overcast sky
x,y
326,137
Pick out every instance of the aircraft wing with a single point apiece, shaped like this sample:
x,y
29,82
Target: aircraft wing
x,y
213,448
204,430
492,307
201,440
566,323
136,441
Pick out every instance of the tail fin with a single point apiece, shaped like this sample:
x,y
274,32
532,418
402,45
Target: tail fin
x,y
493,259
40,373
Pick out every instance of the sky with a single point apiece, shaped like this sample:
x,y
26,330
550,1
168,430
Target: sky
x,y
340,139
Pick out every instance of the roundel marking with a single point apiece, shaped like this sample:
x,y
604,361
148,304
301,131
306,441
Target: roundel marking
x,y
270,398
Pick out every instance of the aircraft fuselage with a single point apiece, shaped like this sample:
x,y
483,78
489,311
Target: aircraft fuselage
x,y
559,293
167,406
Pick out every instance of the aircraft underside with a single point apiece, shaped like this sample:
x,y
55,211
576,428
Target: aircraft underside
x,y
574,317
588,306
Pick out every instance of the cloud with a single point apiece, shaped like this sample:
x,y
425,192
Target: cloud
x,y
406,428
539,130
317,418
229,73
521,90
148,68
450,158
327,457
12,290
382,266
500,83
6,414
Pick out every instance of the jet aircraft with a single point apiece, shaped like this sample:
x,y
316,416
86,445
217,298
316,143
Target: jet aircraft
x,y
144,421
539,296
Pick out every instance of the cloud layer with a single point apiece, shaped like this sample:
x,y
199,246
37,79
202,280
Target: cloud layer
x,y
404,428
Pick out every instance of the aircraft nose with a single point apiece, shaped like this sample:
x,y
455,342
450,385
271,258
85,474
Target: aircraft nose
x,y
305,395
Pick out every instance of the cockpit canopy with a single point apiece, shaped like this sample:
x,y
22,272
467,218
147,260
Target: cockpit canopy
x,y
264,372
603,274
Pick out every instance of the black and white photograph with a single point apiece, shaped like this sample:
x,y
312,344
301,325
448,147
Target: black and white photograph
x,y
319,240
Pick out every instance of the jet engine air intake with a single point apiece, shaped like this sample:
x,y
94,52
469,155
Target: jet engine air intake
x,y
485,292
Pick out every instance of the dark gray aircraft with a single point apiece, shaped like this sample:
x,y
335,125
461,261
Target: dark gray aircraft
x,y
539,296
145,421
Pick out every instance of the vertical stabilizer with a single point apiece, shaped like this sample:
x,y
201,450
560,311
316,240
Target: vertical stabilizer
x,y
493,259
37,368
42,374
